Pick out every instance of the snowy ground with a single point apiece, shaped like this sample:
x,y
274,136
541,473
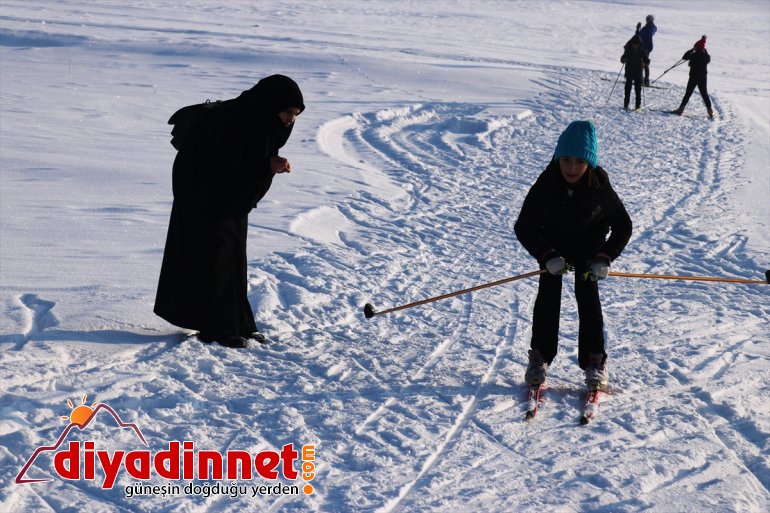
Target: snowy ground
x,y
426,124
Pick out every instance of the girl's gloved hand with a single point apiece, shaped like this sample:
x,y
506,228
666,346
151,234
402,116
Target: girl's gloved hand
x,y
556,265
598,268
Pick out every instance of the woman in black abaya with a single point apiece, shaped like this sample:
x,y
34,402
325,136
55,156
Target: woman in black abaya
x,y
225,165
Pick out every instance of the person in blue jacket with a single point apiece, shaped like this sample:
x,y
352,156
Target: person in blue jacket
x,y
645,34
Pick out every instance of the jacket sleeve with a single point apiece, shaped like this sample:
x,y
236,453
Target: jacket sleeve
x,y
529,225
688,55
253,179
620,227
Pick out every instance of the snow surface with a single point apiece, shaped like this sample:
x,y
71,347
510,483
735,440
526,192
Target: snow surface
x,y
426,124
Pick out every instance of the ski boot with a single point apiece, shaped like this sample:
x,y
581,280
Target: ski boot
x,y
536,369
597,377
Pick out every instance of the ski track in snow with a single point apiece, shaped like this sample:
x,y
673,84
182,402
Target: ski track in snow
x,y
441,154
423,410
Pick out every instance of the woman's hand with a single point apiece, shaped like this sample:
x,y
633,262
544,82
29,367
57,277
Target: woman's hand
x,y
279,165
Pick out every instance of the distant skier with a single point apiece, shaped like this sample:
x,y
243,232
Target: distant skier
x,y
635,58
699,60
645,34
224,167
564,223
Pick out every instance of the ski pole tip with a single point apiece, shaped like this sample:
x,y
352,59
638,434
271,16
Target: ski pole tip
x,y
369,310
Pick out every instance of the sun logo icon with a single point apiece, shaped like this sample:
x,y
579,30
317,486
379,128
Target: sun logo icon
x,y
81,413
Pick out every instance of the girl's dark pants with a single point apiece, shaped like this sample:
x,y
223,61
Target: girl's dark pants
x,y
701,83
545,322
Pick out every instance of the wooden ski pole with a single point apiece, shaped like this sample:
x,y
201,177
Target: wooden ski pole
x,y
370,312
692,278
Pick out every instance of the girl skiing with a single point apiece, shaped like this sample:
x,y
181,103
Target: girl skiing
x,y
564,223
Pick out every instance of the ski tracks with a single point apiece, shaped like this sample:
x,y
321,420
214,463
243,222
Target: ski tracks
x,y
441,155
423,373
705,355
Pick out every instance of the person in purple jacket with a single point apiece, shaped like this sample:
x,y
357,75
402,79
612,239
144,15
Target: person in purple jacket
x,y
645,34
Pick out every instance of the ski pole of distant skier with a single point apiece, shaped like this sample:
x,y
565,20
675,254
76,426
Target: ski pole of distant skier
x,y
692,278
370,312
681,61
616,83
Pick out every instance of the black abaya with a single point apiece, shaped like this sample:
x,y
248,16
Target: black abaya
x,y
220,173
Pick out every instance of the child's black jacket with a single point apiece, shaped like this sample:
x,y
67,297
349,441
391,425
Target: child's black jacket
x,y
574,225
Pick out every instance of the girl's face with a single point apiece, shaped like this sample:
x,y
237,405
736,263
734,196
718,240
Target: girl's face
x,y
289,115
572,168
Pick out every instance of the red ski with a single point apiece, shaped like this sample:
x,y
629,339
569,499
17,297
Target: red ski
x,y
535,400
591,407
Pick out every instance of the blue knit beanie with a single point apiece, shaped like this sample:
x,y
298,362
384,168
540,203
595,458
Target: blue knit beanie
x,y
579,140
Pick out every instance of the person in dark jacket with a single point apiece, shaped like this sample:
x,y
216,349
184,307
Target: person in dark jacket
x,y
635,58
564,223
224,167
699,60
645,34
